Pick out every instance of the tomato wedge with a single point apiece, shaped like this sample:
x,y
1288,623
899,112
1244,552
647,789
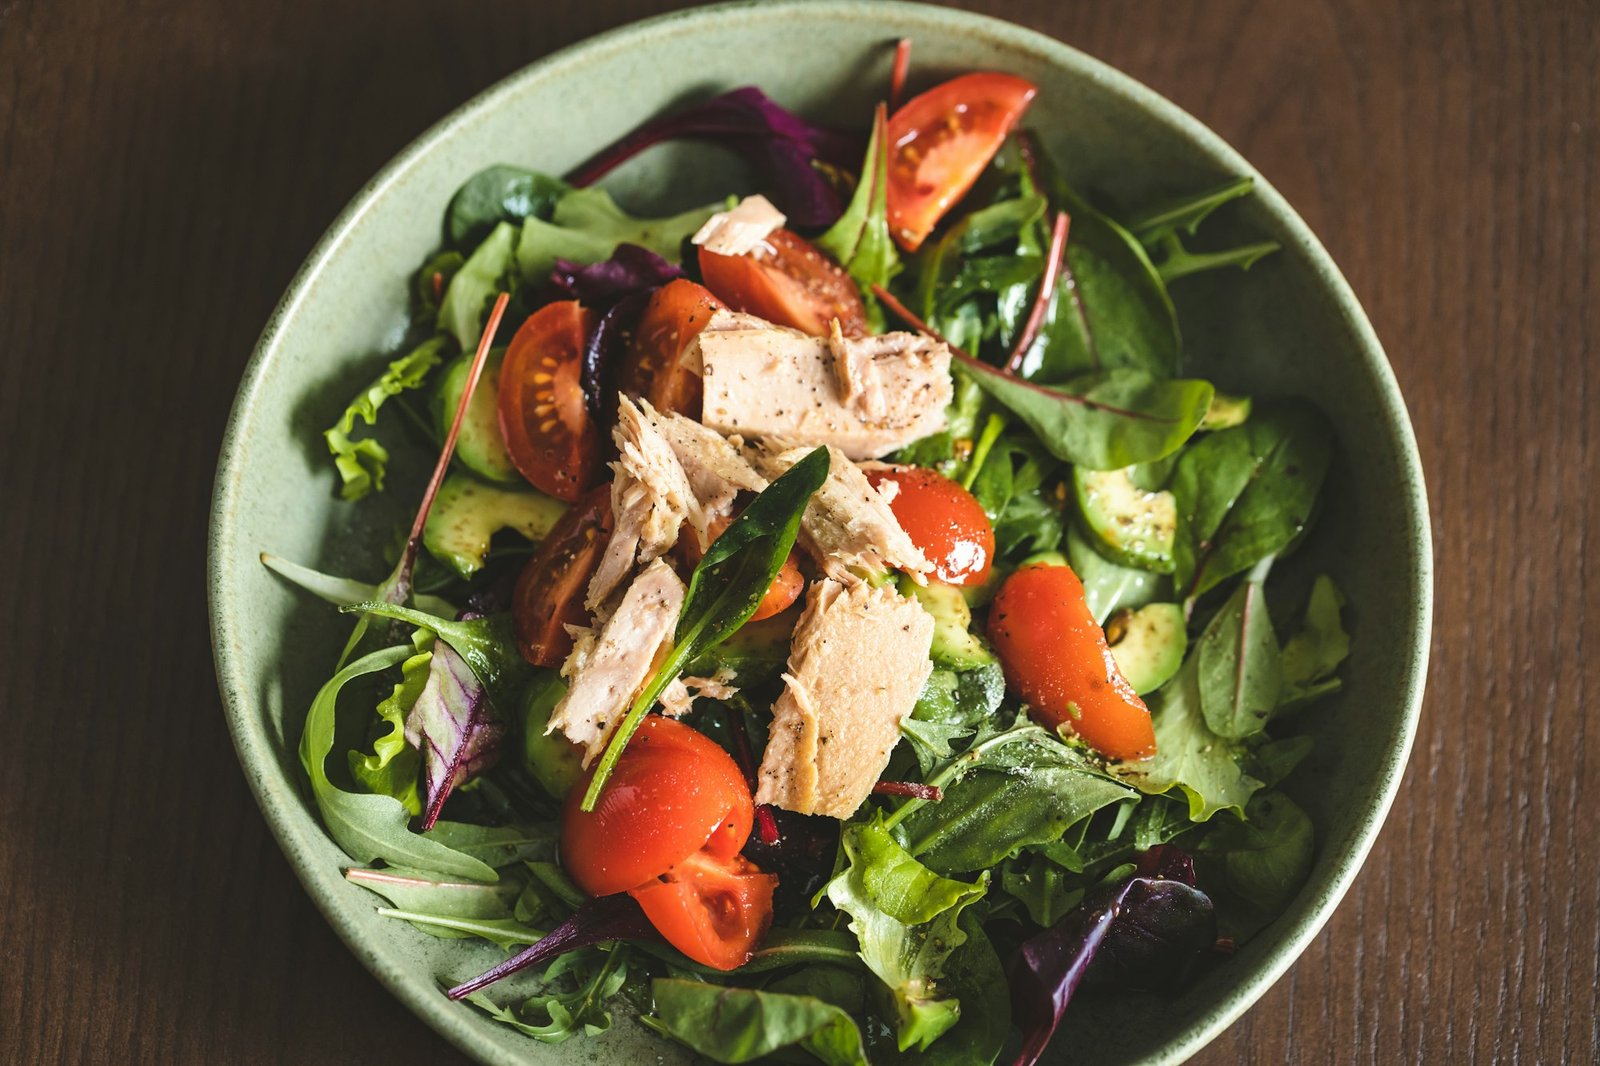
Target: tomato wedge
x,y
675,315
789,282
713,910
945,522
783,591
1056,659
546,426
550,589
673,793
940,142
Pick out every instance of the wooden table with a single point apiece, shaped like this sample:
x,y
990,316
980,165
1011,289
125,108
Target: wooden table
x,y
165,166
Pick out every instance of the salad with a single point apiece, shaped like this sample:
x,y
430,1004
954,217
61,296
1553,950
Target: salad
x,y
834,626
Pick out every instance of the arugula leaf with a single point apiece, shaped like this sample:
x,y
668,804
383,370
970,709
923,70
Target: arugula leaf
x,y
455,727
977,281
1159,229
503,933
859,241
474,287
587,226
391,769
1045,888
1024,792
1275,760
500,193
569,1013
1241,671
343,591
905,917
952,706
1179,262
362,463
1311,656
1104,420
735,1025
370,827
421,890
1246,493
498,845
1189,756
724,591
596,921
1107,586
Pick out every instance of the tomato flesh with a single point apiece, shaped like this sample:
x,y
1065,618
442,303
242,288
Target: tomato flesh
x,y
940,142
1056,660
790,282
944,520
713,910
673,793
550,590
675,315
547,429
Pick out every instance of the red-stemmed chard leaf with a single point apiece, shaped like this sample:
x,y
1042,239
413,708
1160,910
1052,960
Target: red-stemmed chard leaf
x,y
599,921
1145,933
783,146
631,268
454,725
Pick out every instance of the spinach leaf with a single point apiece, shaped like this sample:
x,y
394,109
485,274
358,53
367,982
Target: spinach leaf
x,y
363,463
586,227
1107,586
1267,856
1105,420
726,588
484,275
1246,493
455,727
1189,756
1009,484
1241,670
370,827
735,1025
905,917
496,194
392,768
859,241
1311,656
1026,791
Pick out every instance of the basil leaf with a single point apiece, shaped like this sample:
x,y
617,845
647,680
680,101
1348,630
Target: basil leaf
x,y
496,194
1241,670
371,827
363,463
735,1025
1246,493
724,591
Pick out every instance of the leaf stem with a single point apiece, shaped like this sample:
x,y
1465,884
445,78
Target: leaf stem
x,y
992,428
1047,288
897,77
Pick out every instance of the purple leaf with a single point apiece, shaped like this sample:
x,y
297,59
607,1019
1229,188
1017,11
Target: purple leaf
x,y
1144,933
630,269
454,726
598,921
783,146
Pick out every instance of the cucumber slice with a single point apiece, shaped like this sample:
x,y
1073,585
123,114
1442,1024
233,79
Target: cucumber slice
x,y
480,448
1148,644
1132,526
467,513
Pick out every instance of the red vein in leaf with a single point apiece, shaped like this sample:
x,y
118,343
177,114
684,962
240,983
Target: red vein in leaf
x,y
1047,288
978,367
415,539
897,79
914,789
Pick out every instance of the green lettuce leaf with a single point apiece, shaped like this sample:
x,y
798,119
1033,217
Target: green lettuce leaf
x,y
391,769
735,1025
976,978
362,463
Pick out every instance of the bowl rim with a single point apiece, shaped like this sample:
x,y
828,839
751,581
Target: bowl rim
x,y
279,800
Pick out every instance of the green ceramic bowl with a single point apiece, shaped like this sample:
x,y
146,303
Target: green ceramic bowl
x,y
1290,326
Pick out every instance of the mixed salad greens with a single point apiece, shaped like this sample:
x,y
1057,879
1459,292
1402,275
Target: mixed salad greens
x,y
1085,791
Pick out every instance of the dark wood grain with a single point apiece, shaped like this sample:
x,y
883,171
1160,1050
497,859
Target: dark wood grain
x,y
163,168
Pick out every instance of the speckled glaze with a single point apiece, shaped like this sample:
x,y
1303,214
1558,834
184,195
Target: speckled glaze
x,y
1290,326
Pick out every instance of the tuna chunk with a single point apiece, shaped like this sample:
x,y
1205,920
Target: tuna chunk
x,y
677,699
848,526
742,230
857,664
716,470
651,498
865,397
607,669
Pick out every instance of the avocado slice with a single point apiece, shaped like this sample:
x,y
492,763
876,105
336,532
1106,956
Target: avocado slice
x,y
954,643
1225,411
480,447
1132,526
467,513
553,760
1148,644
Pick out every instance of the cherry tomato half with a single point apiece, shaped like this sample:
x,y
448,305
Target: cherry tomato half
x,y
783,591
944,521
673,793
940,142
675,315
550,590
546,426
1057,661
713,910
788,282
